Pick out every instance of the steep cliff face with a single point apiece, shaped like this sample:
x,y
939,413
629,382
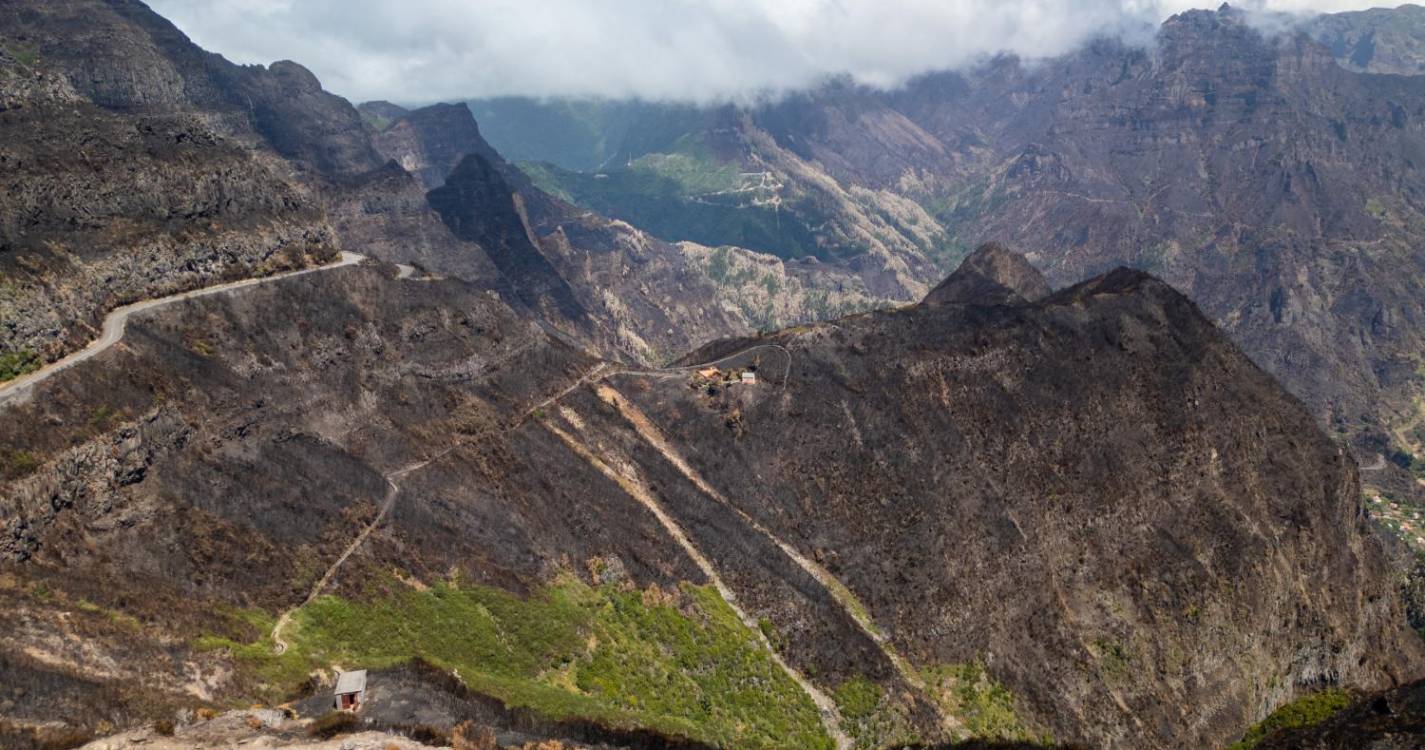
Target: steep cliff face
x,y
125,57
479,206
1298,249
1088,515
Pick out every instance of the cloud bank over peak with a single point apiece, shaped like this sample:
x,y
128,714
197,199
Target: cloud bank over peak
x,y
419,51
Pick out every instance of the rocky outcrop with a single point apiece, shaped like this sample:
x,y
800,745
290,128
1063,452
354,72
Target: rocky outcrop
x,y
1003,453
992,275
479,206
428,142
603,282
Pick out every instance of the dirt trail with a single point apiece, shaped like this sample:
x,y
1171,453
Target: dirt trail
x,y
598,372
842,595
280,645
638,489
117,319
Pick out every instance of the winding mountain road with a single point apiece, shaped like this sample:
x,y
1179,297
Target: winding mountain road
x,y
19,389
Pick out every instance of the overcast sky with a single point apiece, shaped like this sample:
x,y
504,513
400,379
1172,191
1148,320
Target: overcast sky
x,y
420,51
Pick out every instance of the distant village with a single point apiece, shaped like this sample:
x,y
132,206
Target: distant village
x,y
1400,518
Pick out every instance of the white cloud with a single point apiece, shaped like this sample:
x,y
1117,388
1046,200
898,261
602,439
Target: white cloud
x,y
416,51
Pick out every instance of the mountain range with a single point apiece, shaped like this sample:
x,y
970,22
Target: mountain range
x,y
1274,183
704,427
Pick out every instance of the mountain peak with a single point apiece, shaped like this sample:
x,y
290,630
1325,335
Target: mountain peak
x,y
992,275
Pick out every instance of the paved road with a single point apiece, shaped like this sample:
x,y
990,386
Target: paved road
x,y
115,322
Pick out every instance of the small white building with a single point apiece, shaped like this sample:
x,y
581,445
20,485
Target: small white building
x,y
749,378
350,690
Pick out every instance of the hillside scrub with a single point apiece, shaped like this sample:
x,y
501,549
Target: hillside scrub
x,y
679,662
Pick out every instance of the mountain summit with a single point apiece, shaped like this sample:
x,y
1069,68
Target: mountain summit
x,y
992,275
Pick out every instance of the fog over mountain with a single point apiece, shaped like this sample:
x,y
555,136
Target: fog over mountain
x,y
427,50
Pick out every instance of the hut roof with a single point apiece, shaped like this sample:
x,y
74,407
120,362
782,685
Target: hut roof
x,y
350,682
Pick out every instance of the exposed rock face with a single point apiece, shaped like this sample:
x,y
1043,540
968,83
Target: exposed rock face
x,y
1095,495
428,142
123,56
479,206
384,214
601,281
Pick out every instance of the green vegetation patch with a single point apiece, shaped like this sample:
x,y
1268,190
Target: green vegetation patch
x,y
1306,711
15,464
17,363
870,717
1376,209
119,618
23,54
681,662
986,707
1113,658
693,168
377,122
688,193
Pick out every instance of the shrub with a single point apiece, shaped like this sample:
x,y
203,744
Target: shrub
x,y
17,464
17,363
333,724
985,706
163,727
25,56
1306,711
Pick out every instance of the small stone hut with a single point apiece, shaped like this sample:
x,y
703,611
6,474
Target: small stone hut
x,y
350,690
